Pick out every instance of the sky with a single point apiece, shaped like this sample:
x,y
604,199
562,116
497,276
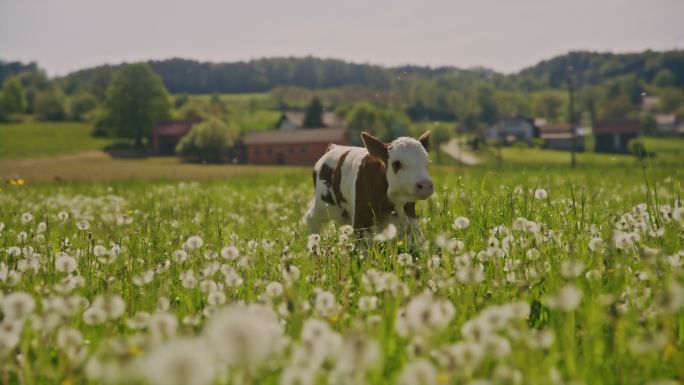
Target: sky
x,y
504,35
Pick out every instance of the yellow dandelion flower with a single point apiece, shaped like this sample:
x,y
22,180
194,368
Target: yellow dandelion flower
x,y
68,381
135,350
670,349
443,377
333,318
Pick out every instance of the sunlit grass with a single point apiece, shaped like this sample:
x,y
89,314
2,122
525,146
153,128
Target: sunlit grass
x,y
575,276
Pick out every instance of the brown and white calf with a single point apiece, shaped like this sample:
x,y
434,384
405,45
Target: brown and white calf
x,y
372,186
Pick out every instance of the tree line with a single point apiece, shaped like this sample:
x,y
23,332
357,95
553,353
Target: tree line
x,y
607,85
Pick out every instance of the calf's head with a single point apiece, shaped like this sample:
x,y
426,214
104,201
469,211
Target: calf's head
x,y
406,165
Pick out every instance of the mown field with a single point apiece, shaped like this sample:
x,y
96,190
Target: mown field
x,y
523,277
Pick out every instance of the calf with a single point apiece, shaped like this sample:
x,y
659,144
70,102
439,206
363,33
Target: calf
x,y
372,186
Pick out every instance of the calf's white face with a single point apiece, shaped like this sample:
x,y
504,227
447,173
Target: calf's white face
x,y
406,161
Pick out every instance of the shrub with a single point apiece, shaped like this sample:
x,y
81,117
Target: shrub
x,y
49,104
208,141
81,105
637,148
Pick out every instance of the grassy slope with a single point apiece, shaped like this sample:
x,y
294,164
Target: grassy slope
x,y
39,139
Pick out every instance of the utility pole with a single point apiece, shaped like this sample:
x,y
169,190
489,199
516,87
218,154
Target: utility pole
x,y
571,118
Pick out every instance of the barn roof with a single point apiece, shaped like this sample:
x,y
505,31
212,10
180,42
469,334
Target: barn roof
x,y
174,127
308,135
617,126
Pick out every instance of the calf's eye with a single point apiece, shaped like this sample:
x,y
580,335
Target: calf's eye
x,y
396,166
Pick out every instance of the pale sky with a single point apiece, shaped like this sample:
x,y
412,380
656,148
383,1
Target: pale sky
x,y
505,35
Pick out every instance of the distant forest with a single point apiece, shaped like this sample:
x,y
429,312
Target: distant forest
x,y
194,77
606,84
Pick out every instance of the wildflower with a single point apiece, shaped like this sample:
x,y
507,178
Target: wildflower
x,y
461,223
389,233
144,278
183,361
194,242
540,193
571,269
405,259
62,216
181,256
326,305
313,243
17,305
112,306
94,316
274,289
65,264
100,251
241,335
162,325
139,320
418,372
567,299
532,254
83,225
596,244
216,298
26,218
368,303
188,279
678,215
230,253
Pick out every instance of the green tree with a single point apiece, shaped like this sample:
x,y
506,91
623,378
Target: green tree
x,y
617,107
33,82
136,99
670,100
49,104
664,78
81,104
548,105
13,96
207,141
314,114
439,134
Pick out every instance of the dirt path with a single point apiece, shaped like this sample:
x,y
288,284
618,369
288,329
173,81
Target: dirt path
x,y
458,151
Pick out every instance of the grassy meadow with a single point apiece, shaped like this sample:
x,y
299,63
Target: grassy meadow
x,y
43,139
522,277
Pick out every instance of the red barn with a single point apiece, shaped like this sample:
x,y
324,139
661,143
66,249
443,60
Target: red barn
x,y
167,133
293,146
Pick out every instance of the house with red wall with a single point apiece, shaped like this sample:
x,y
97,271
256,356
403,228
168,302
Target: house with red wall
x,y
299,147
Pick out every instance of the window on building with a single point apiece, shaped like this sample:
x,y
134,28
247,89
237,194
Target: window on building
x,y
303,150
269,151
257,151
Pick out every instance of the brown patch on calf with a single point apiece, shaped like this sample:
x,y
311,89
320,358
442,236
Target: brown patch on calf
x,y
371,204
314,179
325,174
337,178
410,210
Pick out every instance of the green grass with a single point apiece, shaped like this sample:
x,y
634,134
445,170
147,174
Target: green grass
x,y
621,319
667,154
41,139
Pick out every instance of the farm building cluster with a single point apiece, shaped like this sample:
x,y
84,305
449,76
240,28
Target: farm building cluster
x,y
289,142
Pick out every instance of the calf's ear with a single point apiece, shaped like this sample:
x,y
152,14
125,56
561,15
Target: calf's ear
x,y
375,146
425,140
